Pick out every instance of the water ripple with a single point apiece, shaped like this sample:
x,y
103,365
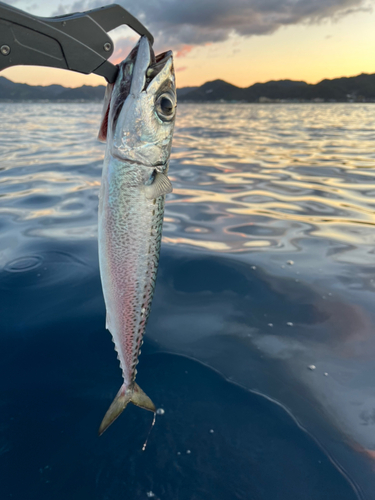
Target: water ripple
x,y
245,176
274,203
310,164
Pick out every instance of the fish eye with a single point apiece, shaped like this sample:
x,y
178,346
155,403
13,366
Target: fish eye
x,y
165,107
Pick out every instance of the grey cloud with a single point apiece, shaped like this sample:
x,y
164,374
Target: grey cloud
x,y
194,22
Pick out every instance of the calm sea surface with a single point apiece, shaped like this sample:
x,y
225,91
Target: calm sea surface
x,y
260,346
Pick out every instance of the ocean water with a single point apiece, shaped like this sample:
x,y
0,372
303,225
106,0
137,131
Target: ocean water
x,y
260,346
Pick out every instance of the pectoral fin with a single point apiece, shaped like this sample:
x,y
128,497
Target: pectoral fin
x,y
134,395
161,185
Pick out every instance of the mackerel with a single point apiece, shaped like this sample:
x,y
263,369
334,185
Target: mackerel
x,y
137,126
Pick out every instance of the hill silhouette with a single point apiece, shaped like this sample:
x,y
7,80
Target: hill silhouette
x,y
356,88
11,91
359,88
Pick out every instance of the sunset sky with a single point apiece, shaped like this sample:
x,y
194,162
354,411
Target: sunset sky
x,y
240,41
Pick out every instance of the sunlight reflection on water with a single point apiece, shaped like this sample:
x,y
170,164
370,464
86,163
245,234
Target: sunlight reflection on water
x,y
255,187
320,177
254,171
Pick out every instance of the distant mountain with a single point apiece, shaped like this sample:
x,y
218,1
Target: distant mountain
x,y
86,93
185,90
214,91
356,88
221,90
21,91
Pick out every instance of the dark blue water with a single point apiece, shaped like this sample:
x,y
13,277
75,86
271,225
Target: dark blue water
x,y
260,346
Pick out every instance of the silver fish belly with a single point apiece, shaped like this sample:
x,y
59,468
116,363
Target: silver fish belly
x,y
130,228
131,210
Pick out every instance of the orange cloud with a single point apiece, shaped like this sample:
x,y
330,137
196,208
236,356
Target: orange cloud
x,y
184,51
181,69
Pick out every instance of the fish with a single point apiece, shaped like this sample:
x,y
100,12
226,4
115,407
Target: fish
x,y
137,125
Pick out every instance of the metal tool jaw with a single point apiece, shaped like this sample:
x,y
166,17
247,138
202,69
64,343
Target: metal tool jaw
x,y
78,41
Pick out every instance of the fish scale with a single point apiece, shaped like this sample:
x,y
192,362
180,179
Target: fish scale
x,y
130,227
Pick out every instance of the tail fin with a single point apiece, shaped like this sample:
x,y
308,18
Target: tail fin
x,y
133,395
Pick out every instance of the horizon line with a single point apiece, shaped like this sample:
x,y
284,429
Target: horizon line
x,y
195,86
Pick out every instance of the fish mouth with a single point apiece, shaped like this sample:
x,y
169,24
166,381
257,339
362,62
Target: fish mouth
x,y
157,64
141,64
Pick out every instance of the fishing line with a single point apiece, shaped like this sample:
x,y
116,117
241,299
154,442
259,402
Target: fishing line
x,y
149,432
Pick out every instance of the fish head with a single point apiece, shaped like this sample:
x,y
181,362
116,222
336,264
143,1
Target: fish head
x,y
139,115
